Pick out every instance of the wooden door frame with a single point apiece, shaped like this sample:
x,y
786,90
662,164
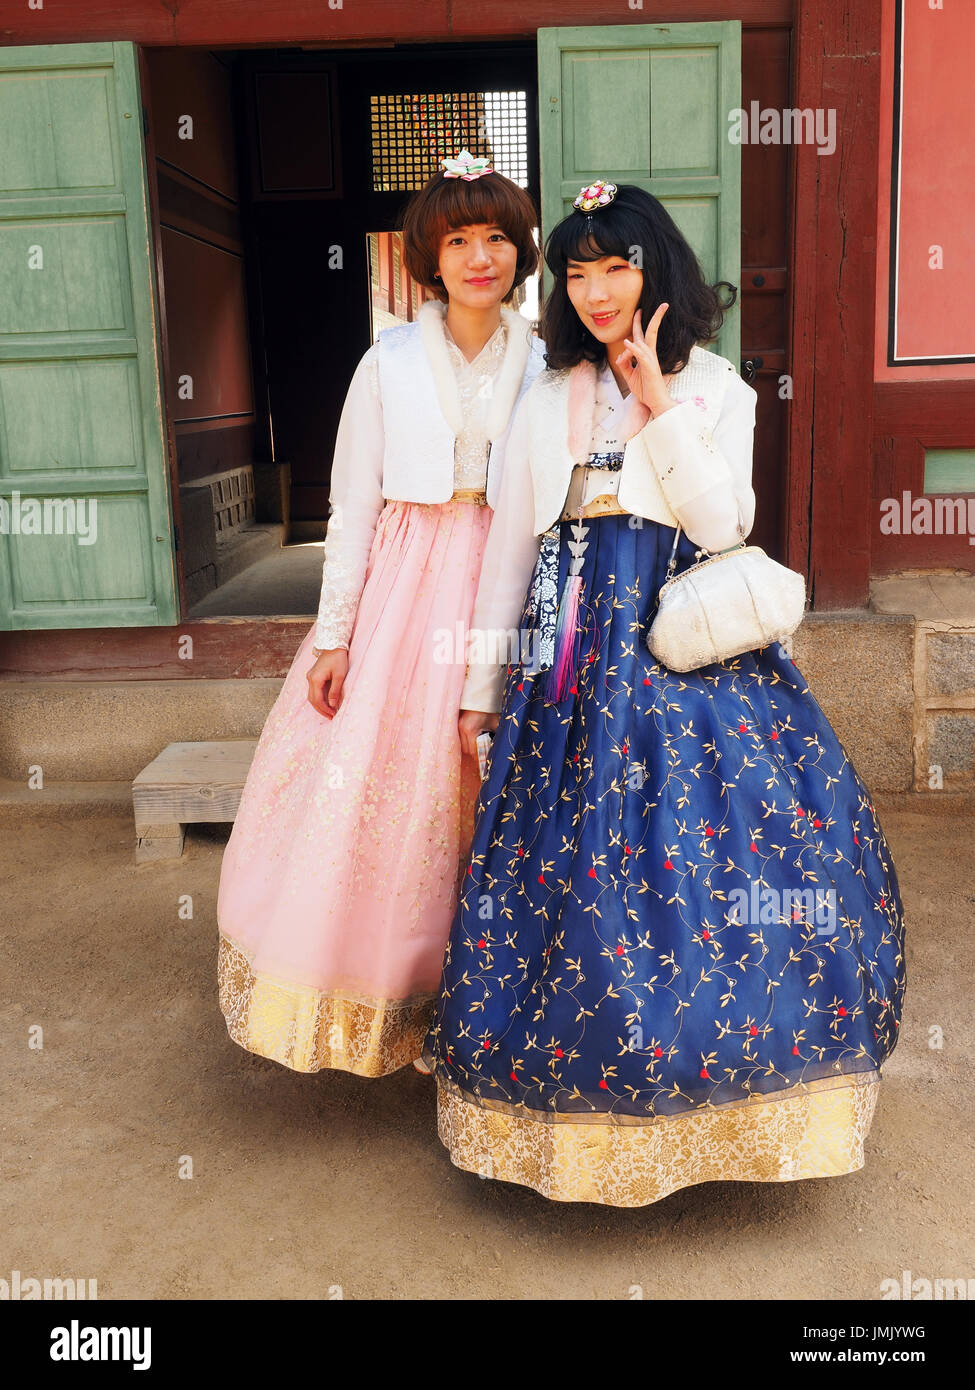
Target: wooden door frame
x,y
833,241
156,257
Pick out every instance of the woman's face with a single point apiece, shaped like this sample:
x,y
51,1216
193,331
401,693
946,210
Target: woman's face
x,y
477,265
605,294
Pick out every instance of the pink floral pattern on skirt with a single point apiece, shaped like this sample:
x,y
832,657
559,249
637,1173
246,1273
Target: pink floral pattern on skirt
x,y
342,871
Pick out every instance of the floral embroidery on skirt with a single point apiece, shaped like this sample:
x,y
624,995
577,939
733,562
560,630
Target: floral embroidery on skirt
x,y
679,902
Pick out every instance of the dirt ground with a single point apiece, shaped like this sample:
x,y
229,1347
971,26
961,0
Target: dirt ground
x,y
305,1184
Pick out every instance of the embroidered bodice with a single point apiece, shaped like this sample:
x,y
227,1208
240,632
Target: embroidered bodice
x,y
474,381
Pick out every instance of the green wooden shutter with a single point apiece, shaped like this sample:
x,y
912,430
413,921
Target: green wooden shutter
x,y
649,104
81,418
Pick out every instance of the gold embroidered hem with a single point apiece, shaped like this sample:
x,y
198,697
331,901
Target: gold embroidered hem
x,y
310,1030
805,1132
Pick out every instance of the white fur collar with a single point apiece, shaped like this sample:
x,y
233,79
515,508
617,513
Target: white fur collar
x,y
507,382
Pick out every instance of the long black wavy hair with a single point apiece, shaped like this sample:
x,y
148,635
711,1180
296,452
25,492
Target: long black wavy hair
x,y
634,221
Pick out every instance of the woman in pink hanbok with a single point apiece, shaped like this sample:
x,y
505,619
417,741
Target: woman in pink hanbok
x,y
341,875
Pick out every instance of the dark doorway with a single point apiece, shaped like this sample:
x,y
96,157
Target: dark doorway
x,y
333,144
280,181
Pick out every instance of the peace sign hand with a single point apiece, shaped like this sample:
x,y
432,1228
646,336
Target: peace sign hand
x,y
640,367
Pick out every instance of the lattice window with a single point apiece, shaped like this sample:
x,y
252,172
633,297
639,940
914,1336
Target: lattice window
x,y
411,133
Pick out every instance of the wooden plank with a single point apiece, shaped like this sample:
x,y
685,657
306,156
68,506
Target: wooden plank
x,y
154,842
183,764
191,783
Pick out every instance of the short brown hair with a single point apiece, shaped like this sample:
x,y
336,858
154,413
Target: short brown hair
x,y
445,203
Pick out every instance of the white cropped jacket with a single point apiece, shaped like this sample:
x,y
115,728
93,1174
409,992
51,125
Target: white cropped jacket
x,y
691,464
397,442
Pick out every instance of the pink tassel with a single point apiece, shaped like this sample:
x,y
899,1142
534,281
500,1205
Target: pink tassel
x,y
564,666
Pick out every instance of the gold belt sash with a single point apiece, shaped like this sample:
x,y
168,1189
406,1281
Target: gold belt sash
x,y
469,494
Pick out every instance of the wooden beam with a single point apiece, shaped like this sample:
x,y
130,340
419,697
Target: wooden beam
x,y
837,65
228,23
222,649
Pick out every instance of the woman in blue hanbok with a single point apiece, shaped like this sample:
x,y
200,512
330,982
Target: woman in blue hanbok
x,y
678,956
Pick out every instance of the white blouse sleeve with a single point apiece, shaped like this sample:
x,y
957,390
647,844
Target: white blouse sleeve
x,y
356,499
509,560
707,478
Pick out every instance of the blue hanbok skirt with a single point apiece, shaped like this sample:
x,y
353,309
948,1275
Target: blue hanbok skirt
x,y
678,956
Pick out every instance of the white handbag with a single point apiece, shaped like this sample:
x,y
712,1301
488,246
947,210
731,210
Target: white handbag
x,y
726,605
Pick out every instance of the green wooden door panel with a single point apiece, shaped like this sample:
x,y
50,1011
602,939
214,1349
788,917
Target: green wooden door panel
x,y
648,104
86,534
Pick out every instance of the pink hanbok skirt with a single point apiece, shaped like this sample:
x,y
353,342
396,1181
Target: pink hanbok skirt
x,y
341,874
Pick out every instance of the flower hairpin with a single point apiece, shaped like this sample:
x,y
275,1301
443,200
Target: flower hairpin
x,y
466,166
594,195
